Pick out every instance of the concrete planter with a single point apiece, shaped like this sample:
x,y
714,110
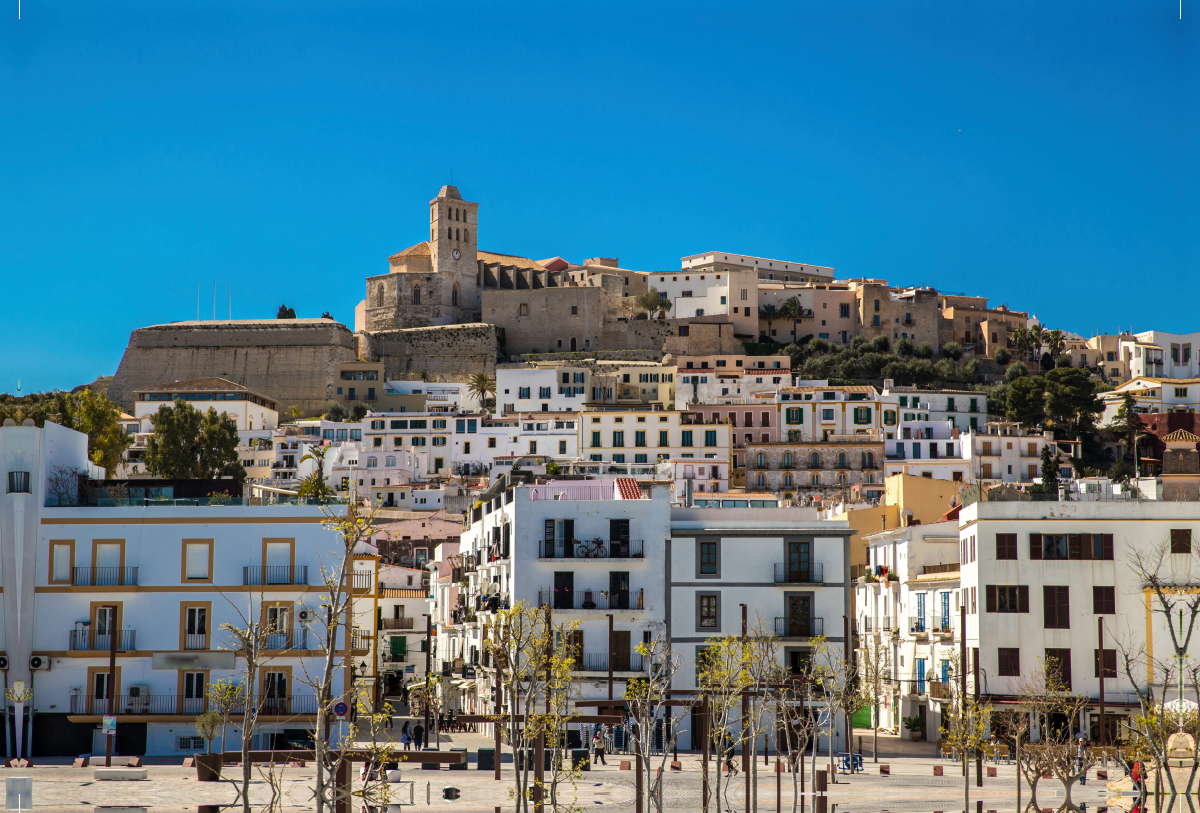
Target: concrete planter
x,y
208,767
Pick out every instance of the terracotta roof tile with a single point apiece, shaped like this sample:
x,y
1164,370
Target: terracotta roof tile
x,y
419,250
1181,436
628,489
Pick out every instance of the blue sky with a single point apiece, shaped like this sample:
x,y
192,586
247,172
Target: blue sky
x,y
1042,154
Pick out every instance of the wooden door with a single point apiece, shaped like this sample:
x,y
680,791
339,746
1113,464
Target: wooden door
x,y
620,653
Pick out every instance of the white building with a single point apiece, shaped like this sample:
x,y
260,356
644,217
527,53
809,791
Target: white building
x,y
963,409
927,449
248,409
728,386
1152,396
163,580
542,389
1159,354
647,437
1000,453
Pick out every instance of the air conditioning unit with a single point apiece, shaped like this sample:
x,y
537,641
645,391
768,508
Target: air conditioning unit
x,y
39,662
139,697
304,615
3,662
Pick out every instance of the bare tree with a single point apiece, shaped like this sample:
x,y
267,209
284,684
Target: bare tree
x,y
788,697
723,676
875,671
647,698
63,484
965,724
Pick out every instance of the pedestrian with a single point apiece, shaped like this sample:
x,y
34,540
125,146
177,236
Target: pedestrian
x,y
1080,753
418,735
598,746
406,737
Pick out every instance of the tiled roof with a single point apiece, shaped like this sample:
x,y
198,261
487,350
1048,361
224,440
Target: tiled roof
x,y
401,592
419,250
842,388
1181,436
628,489
510,259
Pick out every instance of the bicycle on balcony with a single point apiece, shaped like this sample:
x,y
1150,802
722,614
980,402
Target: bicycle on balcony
x,y
594,549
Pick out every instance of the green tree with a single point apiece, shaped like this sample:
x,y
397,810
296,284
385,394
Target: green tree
x,y
358,410
1126,424
769,314
1016,371
1002,356
904,347
923,350
1037,337
1071,403
481,386
1056,342
314,485
219,447
335,412
173,451
285,313
881,344
1049,483
98,418
1022,340
922,372
952,350
652,302
1026,402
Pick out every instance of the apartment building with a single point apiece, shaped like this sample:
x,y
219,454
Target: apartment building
x,y
927,448
162,580
545,387
812,471
364,382
248,408
1105,351
963,409
781,569
428,434
752,419
1152,396
1001,453
816,412
1040,585
705,385
969,321
647,437
907,606
1164,355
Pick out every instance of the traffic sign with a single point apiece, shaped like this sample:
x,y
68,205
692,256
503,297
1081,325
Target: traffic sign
x,y
340,709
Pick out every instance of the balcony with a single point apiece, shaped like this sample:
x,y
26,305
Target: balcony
x,y
799,627
917,625
396,623
590,599
88,640
290,639
363,581
941,625
951,567
104,576
360,641
813,574
939,690
275,574
594,549
197,640
622,662
142,704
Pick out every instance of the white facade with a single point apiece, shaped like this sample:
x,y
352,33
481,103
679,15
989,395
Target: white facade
x,y
542,389
1001,454
728,387
646,437
173,575
1163,355
927,449
1153,395
963,409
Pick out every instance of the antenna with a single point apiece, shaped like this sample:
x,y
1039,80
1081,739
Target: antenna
x,y
230,291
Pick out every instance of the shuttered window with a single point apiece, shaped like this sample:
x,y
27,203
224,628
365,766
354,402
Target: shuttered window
x,y
1104,600
1181,540
1056,606
1010,661
1006,546
1110,662
1058,667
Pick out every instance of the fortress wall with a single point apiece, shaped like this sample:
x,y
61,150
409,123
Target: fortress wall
x,y
445,353
291,360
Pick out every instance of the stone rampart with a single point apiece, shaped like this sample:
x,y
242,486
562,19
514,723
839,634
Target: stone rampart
x,y
291,360
445,353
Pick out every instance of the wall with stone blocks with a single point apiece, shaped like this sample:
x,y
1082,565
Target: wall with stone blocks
x,y
446,353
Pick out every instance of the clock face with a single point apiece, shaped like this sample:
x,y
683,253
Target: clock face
x,y
457,254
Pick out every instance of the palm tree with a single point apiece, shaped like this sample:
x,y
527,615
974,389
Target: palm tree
x,y
1056,342
481,387
1037,336
1022,340
793,310
314,486
770,314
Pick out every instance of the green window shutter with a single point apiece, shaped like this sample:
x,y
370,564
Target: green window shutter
x,y
398,644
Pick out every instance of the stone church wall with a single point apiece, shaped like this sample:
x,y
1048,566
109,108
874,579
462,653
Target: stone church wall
x,y
445,353
290,360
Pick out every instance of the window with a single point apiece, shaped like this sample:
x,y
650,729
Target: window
x,y
710,437
1056,606
639,438
708,614
662,438
1049,546
523,309
1110,662
1010,661
618,439
708,559
1181,540
438,441
1006,546
841,460
523,392
543,392
814,461
197,560
794,416
686,438
62,560
1006,598
1181,392
1104,600
844,310
1058,667
826,414
596,440
533,447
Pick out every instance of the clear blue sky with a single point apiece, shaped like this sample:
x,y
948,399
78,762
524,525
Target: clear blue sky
x,y
1040,153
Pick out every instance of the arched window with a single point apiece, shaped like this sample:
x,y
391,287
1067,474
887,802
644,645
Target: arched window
x,y
572,342
787,481
449,232
390,462
699,311
457,234
456,214
787,460
417,295
841,460
815,479
868,460
760,481
379,296
454,296
467,235
841,479
760,461
814,461
869,478
788,496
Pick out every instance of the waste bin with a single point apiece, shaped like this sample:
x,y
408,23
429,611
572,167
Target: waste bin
x,y
486,760
462,767
528,753
430,766
578,756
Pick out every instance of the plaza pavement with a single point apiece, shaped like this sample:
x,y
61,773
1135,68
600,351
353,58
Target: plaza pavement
x,y
911,788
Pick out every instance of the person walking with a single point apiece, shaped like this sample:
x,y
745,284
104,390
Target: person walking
x,y
406,737
418,735
598,746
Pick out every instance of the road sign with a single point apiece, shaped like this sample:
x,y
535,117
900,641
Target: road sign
x,y
109,726
340,709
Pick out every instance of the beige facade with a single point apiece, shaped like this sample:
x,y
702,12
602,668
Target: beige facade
x,y
808,471
365,381
969,321
547,320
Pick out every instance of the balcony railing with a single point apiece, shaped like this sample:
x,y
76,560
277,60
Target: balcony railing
x,y
364,581
595,549
197,640
786,627
917,625
588,599
291,639
104,576
396,623
951,567
939,690
143,704
360,641
622,662
275,574
941,625
813,574
87,640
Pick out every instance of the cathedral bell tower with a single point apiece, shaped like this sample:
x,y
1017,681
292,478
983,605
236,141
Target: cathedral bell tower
x,y
453,232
